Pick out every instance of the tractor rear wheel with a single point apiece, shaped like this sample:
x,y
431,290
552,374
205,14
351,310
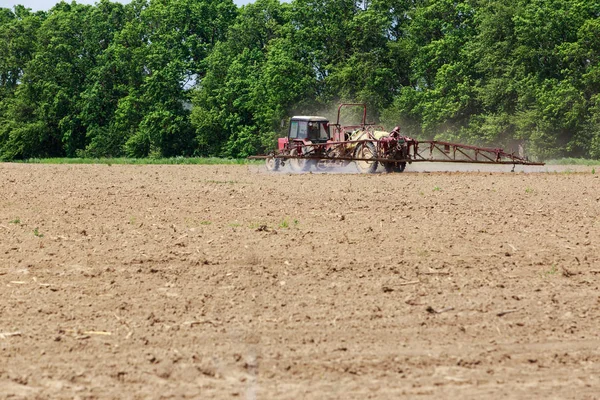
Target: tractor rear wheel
x,y
272,164
395,167
298,164
366,150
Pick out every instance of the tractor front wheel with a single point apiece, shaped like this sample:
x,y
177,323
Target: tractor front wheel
x,y
365,151
298,164
272,164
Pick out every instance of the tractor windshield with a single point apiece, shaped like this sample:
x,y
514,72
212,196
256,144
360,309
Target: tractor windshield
x,y
312,130
317,131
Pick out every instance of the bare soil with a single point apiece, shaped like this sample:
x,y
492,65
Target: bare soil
x,y
151,282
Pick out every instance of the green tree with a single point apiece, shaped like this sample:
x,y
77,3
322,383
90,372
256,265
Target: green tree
x,y
42,117
233,104
113,79
439,99
18,31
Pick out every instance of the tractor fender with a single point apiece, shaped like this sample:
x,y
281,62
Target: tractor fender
x,y
282,143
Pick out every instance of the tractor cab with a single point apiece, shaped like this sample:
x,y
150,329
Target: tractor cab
x,y
305,130
309,129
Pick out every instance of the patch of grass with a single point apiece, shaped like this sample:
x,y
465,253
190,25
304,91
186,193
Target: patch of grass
x,y
15,221
437,189
284,224
296,222
146,161
593,171
528,190
235,224
37,233
573,161
552,271
205,222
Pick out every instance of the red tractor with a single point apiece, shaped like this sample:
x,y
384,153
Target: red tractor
x,y
312,142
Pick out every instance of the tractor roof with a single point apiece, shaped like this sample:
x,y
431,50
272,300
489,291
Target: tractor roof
x,y
309,118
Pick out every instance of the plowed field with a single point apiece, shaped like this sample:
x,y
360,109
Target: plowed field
x,y
227,282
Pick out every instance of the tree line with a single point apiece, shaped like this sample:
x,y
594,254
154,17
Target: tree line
x,y
207,78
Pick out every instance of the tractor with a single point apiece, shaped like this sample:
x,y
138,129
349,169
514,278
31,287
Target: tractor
x,y
314,143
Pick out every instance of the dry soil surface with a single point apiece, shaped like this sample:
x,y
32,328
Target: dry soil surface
x,y
221,282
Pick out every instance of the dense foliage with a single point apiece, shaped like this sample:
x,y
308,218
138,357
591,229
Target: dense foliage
x,y
202,77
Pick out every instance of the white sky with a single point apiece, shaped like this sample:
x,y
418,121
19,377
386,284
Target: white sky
x,y
37,5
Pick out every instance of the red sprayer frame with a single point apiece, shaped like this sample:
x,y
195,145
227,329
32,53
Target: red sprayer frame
x,y
368,145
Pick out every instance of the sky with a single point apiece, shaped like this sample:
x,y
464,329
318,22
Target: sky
x,y
37,5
